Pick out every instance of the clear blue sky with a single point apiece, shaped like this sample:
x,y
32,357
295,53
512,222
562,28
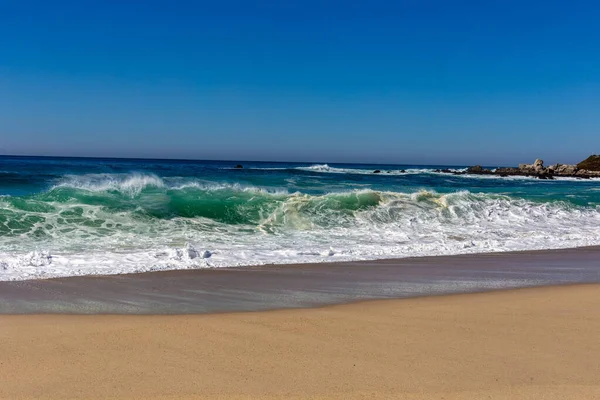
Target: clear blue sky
x,y
415,81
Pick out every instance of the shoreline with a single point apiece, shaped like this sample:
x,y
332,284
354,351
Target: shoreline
x,y
269,287
147,217
526,343
260,267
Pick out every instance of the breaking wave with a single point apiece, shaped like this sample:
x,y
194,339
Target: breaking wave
x,y
115,223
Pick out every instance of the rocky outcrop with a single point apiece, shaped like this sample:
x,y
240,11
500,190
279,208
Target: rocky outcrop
x,y
478,169
589,168
510,171
239,166
565,169
538,165
592,163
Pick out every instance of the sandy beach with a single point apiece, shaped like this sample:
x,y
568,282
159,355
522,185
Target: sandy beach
x,y
534,343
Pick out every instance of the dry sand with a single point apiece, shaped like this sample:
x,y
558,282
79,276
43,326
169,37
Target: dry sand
x,y
541,343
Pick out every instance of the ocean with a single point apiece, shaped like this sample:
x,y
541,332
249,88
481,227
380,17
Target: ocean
x,y
85,216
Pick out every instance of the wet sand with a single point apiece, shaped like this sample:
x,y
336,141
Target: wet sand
x,y
296,286
535,343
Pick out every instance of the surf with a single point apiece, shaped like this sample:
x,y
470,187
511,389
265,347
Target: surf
x,y
112,216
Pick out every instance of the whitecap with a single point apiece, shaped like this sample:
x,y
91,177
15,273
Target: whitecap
x,y
353,225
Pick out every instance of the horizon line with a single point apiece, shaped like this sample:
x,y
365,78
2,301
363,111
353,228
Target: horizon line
x,y
225,160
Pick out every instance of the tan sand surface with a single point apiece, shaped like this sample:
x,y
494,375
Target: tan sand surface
x,y
541,343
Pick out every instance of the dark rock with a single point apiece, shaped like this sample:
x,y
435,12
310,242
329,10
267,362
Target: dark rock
x,y
449,171
377,171
592,163
478,170
239,166
507,171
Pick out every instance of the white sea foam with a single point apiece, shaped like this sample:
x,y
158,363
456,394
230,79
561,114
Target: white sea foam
x,y
131,184
355,225
325,168
212,186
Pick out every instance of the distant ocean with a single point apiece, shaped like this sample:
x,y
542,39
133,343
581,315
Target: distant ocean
x,y
77,216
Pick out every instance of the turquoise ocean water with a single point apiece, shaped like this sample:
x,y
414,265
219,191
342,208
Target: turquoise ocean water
x,y
76,216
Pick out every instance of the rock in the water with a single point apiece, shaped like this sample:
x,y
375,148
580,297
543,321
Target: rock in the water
x,y
583,174
507,171
377,171
239,166
592,163
537,170
564,169
477,169
526,168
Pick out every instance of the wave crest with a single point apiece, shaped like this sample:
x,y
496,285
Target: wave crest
x,y
132,184
106,229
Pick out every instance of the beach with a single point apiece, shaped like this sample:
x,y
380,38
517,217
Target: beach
x,y
494,326
299,200
534,343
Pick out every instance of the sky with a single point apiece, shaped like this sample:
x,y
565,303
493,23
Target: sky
x,y
414,81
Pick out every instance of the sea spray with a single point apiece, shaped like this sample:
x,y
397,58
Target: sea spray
x,y
101,217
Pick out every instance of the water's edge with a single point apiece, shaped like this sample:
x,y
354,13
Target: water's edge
x,y
271,287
